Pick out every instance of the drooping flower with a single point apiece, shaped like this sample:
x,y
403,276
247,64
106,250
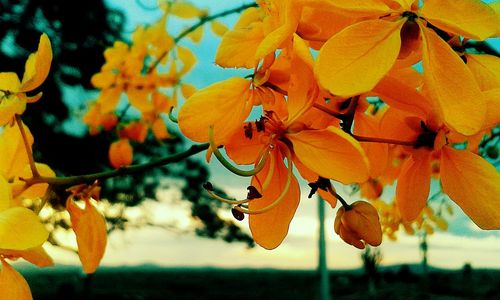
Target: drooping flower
x,y
358,225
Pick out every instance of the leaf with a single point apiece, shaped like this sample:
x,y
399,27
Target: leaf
x,y
91,235
473,184
12,284
469,18
331,153
346,63
21,229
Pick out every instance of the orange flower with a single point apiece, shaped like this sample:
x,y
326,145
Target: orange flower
x,y
358,225
469,180
345,62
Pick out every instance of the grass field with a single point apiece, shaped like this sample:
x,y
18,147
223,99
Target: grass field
x,y
151,282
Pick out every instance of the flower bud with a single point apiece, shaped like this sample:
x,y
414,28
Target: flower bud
x,y
359,225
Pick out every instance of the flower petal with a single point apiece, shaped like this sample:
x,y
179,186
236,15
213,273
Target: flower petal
x,y
5,194
474,184
469,18
331,153
413,187
12,284
400,91
38,65
452,86
346,63
377,153
37,256
289,19
91,235
486,70
269,229
21,229
9,82
224,105
244,150
238,47
12,151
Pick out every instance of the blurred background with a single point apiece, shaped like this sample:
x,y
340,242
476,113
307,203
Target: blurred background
x,y
168,240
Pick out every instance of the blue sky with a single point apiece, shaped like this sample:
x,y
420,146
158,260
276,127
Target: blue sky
x,y
464,242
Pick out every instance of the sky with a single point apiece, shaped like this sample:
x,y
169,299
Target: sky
x,y
463,243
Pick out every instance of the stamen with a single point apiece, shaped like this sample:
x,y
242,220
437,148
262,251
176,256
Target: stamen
x,y
238,215
171,116
280,197
248,131
246,173
208,187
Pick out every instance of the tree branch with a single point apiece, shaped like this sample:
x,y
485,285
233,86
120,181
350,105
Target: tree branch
x,y
133,169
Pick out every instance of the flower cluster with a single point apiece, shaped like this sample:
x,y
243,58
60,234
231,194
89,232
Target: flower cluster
x,y
358,93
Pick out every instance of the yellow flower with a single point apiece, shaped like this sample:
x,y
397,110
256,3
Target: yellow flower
x,y
13,91
355,59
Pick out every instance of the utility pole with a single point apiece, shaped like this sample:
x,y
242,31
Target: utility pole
x,y
322,266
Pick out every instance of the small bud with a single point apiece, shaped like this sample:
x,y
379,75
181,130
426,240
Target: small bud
x,y
359,225
238,215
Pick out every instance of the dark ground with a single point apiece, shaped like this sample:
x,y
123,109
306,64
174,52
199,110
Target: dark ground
x,y
150,282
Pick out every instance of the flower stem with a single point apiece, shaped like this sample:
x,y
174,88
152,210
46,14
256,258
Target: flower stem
x,y
342,201
328,111
382,140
